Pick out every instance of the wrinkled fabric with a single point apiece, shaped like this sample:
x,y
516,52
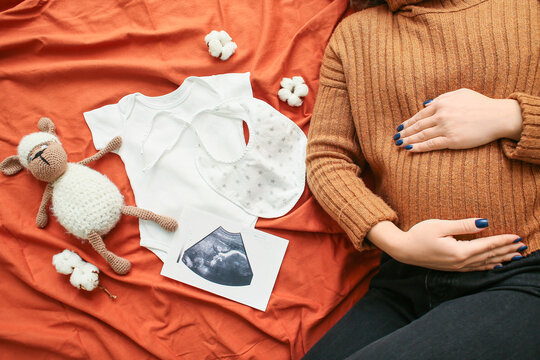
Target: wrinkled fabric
x,y
60,58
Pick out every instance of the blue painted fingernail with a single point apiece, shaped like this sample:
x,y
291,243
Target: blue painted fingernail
x,y
427,102
497,267
397,136
481,223
400,127
517,257
408,147
523,248
399,142
518,240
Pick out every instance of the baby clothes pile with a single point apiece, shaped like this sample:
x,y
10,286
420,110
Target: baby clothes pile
x,y
187,148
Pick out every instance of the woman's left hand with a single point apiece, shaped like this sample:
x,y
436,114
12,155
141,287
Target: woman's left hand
x,y
460,119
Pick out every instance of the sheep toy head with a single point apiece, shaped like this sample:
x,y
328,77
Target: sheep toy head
x,y
86,203
40,152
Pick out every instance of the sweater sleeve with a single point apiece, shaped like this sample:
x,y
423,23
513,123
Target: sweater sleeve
x,y
334,158
528,147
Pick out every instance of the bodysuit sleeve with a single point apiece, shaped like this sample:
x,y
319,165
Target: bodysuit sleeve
x,y
105,123
528,147
232,85
334,157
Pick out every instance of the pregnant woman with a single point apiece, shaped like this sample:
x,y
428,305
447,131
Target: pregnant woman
x,y
441,100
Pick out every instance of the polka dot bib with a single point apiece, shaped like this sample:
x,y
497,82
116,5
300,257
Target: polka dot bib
x,y
268,176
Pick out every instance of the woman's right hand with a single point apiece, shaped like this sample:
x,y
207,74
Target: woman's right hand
x,y
431,244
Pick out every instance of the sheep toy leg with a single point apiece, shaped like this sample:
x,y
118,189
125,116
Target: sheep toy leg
x,y
119,265
166,222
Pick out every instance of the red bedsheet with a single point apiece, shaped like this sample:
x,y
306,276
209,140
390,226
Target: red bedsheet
x,y
59,58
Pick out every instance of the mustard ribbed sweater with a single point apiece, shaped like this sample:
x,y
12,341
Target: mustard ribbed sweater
x,y
379,67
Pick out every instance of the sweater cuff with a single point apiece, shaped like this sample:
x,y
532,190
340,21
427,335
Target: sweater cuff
x,y
527,148
357,218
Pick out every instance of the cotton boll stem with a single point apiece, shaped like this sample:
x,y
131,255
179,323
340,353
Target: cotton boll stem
x,y
108,293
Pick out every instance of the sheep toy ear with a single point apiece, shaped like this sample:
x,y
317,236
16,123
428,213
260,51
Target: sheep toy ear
x,y
11,165
46,125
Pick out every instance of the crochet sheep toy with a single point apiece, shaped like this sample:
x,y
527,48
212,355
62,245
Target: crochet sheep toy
x,y
84,201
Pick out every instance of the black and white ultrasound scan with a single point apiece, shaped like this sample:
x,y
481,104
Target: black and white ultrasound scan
x,y
220,257
224,257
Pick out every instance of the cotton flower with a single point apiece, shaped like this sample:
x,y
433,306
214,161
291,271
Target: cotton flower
x,y
220,44
292,90
66,261
85,277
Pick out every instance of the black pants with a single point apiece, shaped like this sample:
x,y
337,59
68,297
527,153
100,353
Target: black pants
x,y
411,312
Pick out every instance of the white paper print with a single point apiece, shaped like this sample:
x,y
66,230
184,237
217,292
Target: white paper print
x,y
225,258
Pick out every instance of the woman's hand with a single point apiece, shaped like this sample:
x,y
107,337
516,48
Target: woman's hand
x,y
431,244
460,119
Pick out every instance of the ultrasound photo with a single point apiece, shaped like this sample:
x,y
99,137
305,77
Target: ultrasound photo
x,y
220,257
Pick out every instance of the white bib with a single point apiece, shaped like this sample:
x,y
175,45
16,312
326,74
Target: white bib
x,y
268,177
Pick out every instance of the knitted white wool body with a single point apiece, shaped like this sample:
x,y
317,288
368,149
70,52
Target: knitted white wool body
x,y
85,201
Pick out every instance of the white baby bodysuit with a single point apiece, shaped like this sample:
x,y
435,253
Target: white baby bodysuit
x,y
166,186
188,148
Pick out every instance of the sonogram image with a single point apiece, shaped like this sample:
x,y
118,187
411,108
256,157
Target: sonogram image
x,y
220,257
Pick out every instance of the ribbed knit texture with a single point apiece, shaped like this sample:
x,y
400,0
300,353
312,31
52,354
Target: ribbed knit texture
x,y
378,69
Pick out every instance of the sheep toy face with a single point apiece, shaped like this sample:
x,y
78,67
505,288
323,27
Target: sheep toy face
x,y
47,161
